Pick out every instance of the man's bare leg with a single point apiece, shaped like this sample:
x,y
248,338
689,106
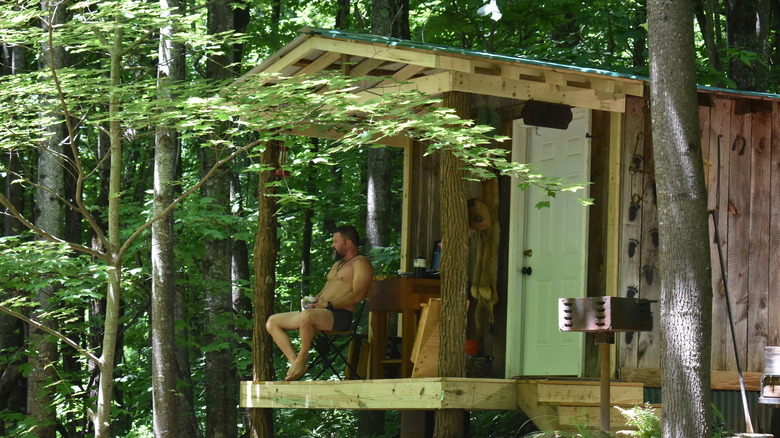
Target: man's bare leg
x,y
276,326
310,320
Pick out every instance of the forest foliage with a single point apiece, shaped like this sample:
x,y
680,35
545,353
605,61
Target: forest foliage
x,y
325,181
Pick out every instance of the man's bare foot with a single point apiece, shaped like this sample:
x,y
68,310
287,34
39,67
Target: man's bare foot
x,y
296,371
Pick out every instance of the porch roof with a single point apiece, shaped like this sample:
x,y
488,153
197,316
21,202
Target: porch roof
x,y
390,65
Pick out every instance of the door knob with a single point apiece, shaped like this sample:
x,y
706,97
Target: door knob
x,y
525,270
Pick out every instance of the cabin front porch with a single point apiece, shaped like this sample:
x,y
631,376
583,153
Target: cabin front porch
x,y
551,404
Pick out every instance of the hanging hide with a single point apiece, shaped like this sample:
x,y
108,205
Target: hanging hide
x,y
483,285
479,214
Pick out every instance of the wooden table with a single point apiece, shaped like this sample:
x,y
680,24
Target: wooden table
x,y
396,295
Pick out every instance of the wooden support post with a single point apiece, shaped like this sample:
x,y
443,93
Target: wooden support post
x,y
605,340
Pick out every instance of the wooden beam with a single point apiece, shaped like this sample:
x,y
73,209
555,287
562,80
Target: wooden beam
x,y
384,394
291,57
588,393
558,76
525,90
321,63
406,204
375,51
431,85
571,417
404,74
720,380
615,167
545,417
364,67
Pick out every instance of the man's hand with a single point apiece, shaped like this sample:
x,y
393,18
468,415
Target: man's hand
x,y
309,302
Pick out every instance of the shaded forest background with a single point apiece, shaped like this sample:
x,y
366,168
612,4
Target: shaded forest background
x,y
48,387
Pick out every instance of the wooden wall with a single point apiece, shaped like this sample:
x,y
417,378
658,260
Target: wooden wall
x,y
425,219
741,149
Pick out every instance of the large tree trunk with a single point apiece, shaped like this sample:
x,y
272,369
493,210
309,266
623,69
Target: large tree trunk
x,y
388,18
748,24
164,391
265,253
221,395
454,273
50,218
686,292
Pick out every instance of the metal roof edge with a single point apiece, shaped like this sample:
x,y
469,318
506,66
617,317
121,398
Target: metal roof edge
x,y
739,92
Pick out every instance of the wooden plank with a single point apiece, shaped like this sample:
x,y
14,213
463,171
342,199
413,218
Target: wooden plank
x,y
432,85
376,51
738,235
633,168
647,376
321,63
572,417
545,417
425,352
729,380
589,393
479,394
365,67
614,210
403,74
630,87
300,39
649,343
293,56
384,394
720,127
526,90
406,205
773,305
758,280
720,380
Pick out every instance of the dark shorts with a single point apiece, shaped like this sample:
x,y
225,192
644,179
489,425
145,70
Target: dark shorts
x,y
342,319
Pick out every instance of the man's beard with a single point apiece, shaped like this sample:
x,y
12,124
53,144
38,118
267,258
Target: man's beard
x,y
336,256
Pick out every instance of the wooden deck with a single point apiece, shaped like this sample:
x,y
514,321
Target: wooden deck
x,y
550,404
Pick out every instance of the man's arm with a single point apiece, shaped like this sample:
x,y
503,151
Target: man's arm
x,y
361,280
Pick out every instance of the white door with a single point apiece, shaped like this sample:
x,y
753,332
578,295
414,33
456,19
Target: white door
x,y
547,258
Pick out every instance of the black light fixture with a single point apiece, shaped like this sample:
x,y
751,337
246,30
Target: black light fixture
x,y
546,115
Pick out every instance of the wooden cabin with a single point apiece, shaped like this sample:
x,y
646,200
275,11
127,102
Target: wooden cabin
x,y
585,125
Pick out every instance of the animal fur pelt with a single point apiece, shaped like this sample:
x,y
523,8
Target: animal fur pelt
x,y
483,284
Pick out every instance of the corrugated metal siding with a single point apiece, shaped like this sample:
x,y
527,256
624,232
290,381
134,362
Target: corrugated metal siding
x,y
729,406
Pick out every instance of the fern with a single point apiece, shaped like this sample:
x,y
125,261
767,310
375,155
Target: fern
x,y
644,419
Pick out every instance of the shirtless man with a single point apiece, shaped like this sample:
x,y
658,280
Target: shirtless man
x,y
347,285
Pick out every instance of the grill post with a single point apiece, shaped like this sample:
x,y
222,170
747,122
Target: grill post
x,y
604,316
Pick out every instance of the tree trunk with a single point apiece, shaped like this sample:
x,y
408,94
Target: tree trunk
x,y
454,272
101,418
49,217
686,291
12,384
164,391
705,13
240,275
221,395
16,59
265,254
748,24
